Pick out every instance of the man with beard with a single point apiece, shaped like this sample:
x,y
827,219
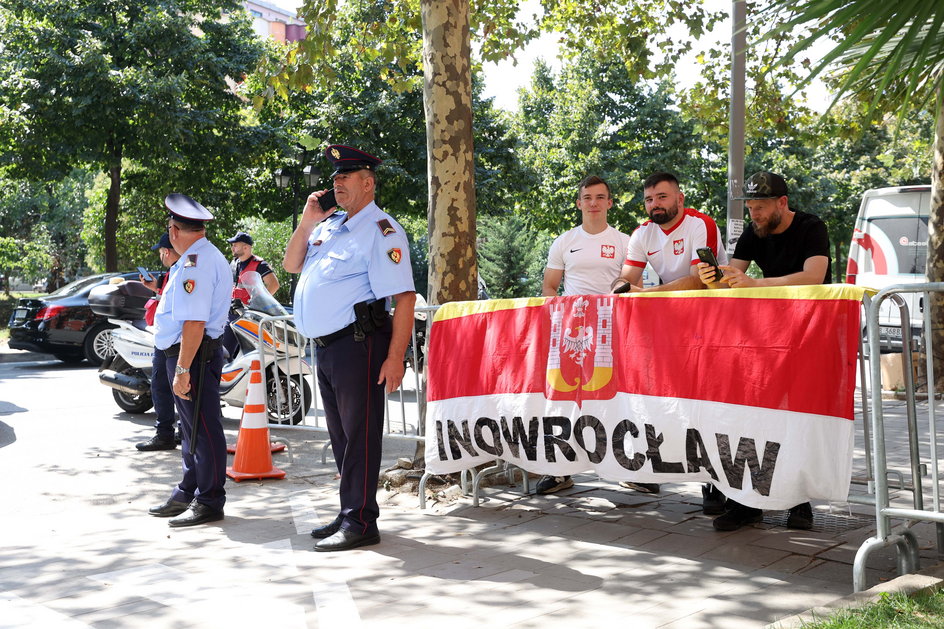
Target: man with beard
x,y
791,248
668,241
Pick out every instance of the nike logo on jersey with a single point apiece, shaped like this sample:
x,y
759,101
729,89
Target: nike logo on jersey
x,y
575,250
652,253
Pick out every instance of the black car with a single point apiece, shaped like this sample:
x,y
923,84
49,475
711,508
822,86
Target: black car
x,y
62,324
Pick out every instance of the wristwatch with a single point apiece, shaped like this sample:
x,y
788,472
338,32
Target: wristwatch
x,y
180,370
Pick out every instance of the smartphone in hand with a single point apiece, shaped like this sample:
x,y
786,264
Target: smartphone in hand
x,y
706,255
145,274
327,201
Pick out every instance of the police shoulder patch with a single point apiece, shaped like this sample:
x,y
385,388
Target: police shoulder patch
x,y
189,285
395,254
385,227
191,260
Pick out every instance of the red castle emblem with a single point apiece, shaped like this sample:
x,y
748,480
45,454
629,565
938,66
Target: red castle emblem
x,y
580,352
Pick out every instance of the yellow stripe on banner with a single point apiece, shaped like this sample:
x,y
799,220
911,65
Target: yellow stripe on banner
x,y
816,291
457,309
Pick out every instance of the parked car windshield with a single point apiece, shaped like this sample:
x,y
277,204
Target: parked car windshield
x,y
78,285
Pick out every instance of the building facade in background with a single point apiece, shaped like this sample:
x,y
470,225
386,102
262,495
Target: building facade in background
x,y
271,21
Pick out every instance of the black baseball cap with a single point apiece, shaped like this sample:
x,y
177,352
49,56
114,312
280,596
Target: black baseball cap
x,y
163,243
763,185
241,237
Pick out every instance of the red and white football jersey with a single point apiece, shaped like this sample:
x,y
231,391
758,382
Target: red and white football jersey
x,y
672,253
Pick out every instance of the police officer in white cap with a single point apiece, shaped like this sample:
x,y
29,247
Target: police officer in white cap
x,y
352,264
190,320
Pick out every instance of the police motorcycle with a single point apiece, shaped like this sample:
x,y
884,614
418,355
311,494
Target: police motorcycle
x,y
128,372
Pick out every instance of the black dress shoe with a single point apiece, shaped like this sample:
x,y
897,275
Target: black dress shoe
x,y
156,443
328,529
199,514
169,509
346,540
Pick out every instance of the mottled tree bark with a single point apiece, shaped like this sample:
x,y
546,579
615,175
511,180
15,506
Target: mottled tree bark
x,y
447,98
936,244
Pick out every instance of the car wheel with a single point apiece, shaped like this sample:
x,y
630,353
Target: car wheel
x,y
98,345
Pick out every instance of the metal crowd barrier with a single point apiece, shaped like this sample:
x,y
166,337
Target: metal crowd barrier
x,y
878,471
405,418
299,404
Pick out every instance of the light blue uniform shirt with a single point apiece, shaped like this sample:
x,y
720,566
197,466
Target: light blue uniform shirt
x,y
199,288
349,260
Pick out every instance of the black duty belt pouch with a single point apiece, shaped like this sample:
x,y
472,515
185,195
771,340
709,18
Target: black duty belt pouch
x,y
370,316
207,344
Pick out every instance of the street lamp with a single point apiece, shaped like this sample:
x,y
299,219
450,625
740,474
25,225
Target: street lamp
x,y
294,177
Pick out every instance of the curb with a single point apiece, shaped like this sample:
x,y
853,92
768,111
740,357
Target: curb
x,y
931,578
22,356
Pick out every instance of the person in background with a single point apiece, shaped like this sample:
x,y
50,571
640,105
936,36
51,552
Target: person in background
x,y
244,262
161,394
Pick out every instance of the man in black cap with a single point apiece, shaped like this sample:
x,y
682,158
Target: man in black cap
x,y
351,265
791,248
190,320
245,262
161,394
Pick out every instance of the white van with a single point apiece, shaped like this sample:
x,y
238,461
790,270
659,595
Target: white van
x,y
890,246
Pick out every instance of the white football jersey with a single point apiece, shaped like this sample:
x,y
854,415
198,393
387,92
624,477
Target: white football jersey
x,y
590,262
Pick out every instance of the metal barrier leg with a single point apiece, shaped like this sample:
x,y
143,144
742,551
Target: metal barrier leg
x,y
858,565
909,561
477,480
422,489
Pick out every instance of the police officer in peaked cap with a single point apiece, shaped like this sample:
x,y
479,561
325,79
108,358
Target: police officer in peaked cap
x,y
190,320
352,265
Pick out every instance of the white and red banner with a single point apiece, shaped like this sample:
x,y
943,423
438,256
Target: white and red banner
x,y
749,389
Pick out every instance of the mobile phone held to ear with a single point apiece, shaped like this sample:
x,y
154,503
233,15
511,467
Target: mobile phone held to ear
x,y
145,274
327,201
706,255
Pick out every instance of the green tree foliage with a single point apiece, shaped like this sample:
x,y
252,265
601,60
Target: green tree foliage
x,y
358,108
512,256
48,215
636,32
596,119
148,83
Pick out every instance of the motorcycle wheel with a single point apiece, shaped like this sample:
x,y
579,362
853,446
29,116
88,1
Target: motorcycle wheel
x,y
292,389
130,403
135,404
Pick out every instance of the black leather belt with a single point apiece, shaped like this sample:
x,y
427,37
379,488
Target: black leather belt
x,y
324,341
211,344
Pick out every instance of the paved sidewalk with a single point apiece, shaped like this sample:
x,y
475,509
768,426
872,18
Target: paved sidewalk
x,y
81,551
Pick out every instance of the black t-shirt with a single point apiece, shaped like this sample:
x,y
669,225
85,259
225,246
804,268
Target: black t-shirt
x,y
238,266
785,253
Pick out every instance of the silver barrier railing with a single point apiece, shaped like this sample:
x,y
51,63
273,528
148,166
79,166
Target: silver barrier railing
x,y
297,399
903,539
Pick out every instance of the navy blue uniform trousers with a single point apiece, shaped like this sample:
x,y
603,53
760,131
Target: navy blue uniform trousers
x,y
163,396
354,407
204,470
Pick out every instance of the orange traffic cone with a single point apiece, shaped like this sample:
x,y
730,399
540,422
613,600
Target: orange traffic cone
x,y
253,457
